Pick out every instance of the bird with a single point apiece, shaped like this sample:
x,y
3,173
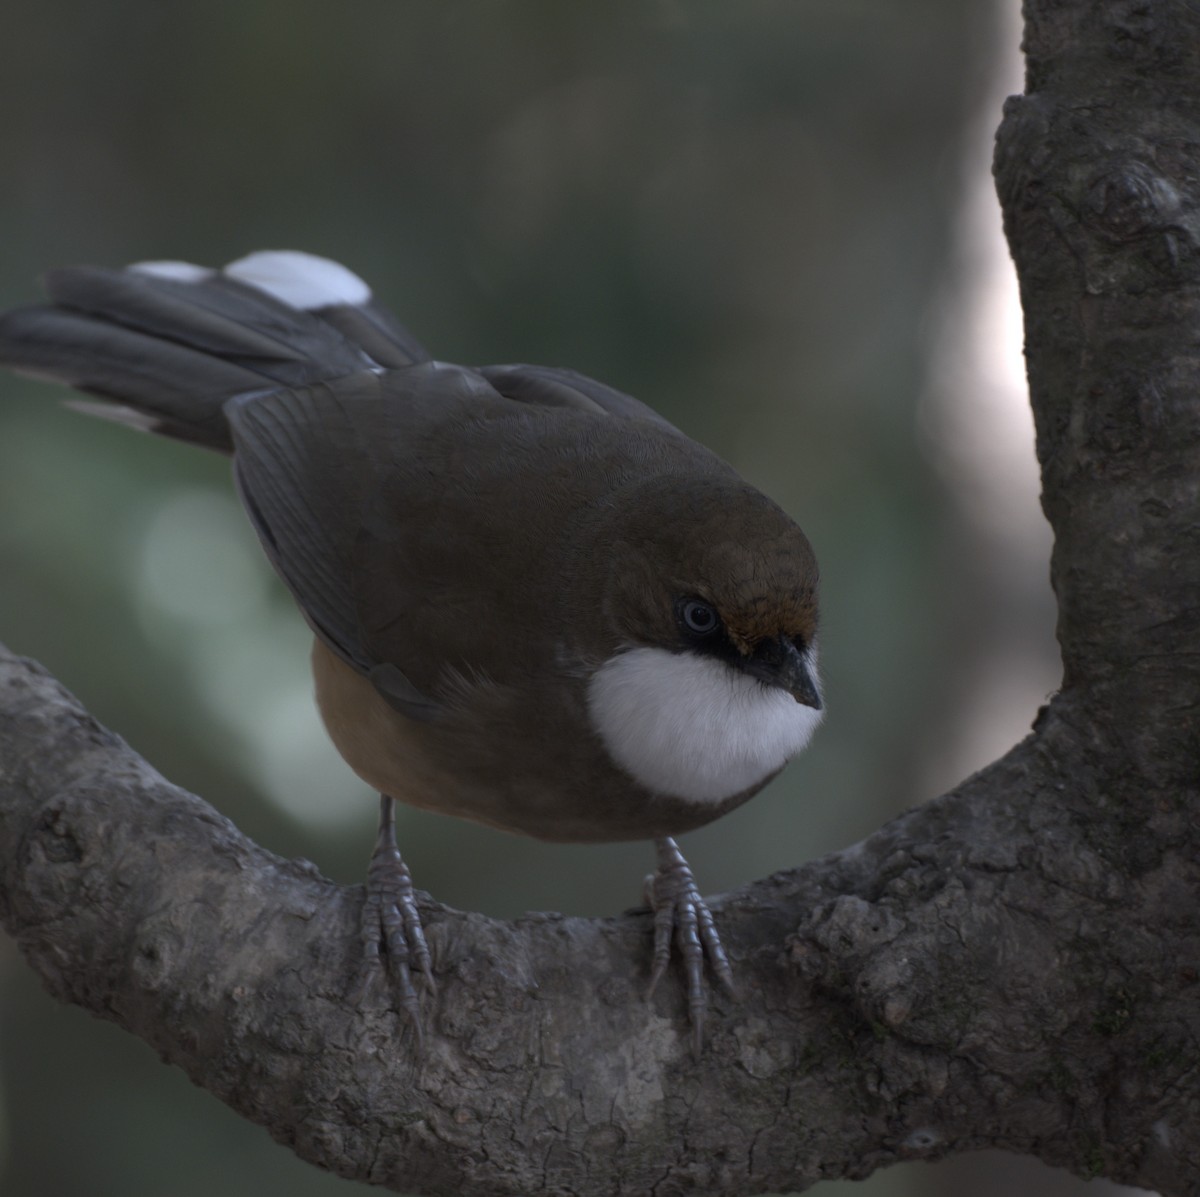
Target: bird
x,y
536,603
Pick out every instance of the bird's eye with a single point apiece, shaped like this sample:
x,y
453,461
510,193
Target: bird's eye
x,y
698,618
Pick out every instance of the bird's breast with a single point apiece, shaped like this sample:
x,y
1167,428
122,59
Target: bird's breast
x,y
522,761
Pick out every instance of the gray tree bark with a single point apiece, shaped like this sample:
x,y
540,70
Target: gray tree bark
x,y
1015,965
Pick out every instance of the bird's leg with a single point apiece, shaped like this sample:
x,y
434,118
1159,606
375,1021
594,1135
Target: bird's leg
x,y
391,921
681,913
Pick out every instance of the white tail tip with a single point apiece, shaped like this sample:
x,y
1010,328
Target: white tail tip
x,y
300,280
182,272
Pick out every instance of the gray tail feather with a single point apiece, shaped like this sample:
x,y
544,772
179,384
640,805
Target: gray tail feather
x,y
169,344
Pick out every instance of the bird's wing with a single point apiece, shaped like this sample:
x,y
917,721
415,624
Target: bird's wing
x,y
426,522
306,462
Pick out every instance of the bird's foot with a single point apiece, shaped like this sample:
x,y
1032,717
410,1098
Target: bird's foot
x,y
680,913
393,940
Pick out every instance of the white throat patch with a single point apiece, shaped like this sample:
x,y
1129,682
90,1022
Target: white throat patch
x,y
693,727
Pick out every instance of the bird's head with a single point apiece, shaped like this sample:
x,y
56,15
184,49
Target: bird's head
x,y
710,684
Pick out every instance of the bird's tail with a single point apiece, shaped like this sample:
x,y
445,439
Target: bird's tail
x,y
169,343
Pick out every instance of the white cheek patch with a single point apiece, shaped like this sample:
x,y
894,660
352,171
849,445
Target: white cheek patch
x,y
181,272
300,280
693,727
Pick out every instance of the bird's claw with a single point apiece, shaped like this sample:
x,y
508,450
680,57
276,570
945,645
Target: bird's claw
x,y
681,914
393,940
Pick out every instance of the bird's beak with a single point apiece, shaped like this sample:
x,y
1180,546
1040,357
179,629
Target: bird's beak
x,y
780,663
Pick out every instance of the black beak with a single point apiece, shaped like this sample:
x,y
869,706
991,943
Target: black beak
x,y
780,663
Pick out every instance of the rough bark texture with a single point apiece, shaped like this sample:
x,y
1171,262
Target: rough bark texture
x,y
1015,964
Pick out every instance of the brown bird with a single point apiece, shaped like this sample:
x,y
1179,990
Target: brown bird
x,y
536,603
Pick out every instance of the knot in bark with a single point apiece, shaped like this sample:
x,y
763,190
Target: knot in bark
x,y
1130,201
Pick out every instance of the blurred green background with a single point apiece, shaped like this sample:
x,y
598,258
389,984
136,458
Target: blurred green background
x,y
770,220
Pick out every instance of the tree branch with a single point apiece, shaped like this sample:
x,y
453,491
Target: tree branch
x,y
1004,967
1012,965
